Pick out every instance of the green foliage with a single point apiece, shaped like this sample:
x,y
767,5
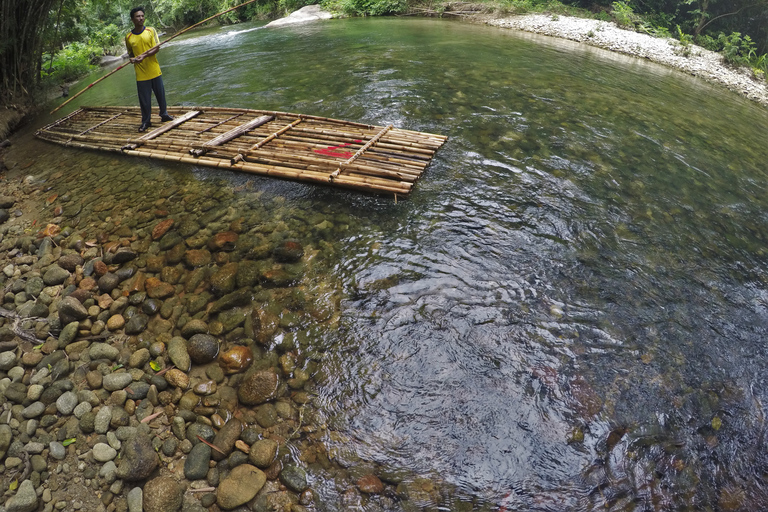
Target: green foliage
x,y
624,14
708,42
109,39
684,43
74,61
366,7
737,50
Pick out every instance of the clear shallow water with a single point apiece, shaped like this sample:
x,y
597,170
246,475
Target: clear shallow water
x,y
569,312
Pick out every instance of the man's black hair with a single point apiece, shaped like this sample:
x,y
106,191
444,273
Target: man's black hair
x,y
135,10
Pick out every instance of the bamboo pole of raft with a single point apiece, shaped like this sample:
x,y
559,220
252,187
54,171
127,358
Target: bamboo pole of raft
x,y
261,143
360,151
177,34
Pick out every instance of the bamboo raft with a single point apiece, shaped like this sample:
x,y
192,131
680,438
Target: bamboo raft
x,y
278,144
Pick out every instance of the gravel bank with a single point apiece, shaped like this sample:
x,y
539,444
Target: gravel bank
x,y
666,51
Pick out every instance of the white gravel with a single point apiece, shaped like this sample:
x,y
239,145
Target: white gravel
x,y
666,51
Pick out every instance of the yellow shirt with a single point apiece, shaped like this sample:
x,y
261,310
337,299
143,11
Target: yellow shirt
x,y
148,68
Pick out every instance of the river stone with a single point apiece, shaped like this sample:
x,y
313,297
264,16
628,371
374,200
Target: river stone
x,y
240,486
195,258
202,430
138,459
139,358
7,201
224,241
177,378
115,322
226,438
25,499
138,390
55,275
258,388
370,484
136,324
102,452
71,310
263,453
57,450
224,280
135,500
103,351
123,255
196,465
294,478
34,286
108,282
157,289
289,251
194,326
203,348
151,307
4,216
162,494
66,403
7,360
242,297
16,392
70,261
169,240
6,435
115,381
33,410
102,420
177,352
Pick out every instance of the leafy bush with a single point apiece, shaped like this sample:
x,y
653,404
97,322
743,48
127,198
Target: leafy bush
x,y
624,14
737,50
109,39
366,7
74,61
708,42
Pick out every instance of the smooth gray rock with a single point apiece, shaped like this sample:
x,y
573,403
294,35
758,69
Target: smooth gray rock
x,y
196,465
102,452
303,15
55,275
115,381
66,403
135,500
25,499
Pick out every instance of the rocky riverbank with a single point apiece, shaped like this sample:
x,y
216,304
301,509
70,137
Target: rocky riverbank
x,y
691,59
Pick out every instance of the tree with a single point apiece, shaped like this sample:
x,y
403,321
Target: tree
x,y
22,27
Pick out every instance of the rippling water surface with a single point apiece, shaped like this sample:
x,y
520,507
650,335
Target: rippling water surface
x,y
569,312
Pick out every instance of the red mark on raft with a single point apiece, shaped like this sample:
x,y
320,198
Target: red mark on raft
x,y
339,154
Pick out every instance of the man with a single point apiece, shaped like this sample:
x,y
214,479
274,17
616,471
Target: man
x,y
142,43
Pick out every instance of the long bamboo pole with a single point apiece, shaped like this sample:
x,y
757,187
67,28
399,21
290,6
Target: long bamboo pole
x,y
177,34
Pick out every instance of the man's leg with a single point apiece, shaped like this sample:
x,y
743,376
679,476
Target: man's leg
x,y
159,89
144,88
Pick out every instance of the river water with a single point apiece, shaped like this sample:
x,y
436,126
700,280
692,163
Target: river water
x,y
569,312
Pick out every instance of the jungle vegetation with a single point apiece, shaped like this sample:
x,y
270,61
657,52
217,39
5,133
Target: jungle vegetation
x,y
44,43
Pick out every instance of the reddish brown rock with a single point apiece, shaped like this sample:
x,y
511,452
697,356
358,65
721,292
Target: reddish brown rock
x,y
161,229
224,241
100,268
370,484
157,289
236,360
177,378
137,285
258,388
197,257
88,283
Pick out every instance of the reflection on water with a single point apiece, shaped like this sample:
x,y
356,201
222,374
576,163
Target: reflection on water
x,y
569,313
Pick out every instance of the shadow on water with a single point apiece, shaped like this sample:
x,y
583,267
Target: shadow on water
x,y
570,312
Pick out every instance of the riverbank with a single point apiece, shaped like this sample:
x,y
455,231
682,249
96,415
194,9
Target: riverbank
x,y
693,60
